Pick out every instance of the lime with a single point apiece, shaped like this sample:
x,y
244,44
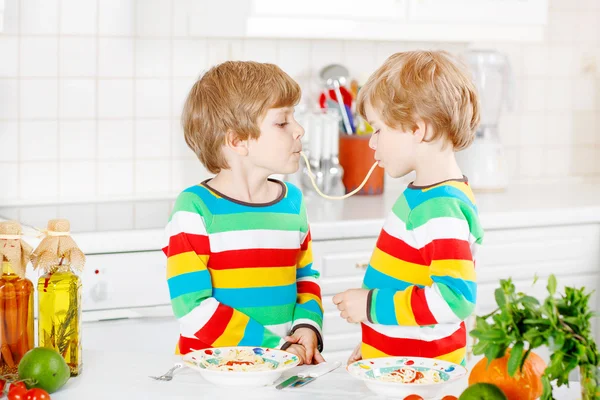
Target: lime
x,y
482,391
45,368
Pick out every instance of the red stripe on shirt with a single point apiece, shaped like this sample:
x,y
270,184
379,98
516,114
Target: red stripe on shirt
x,y
309,287
216,325
307,240
420,309
415,347
190,344
397,248
449,249
184,242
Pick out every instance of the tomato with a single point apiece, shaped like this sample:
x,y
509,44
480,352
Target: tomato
x,y
17,393
449,398
413,397
19,384
2,385
38,394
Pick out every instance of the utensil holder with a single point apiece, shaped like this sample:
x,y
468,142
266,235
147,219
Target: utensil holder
x,y
357,158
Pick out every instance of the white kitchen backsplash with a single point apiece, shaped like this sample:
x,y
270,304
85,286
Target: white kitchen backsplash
x,y
91,93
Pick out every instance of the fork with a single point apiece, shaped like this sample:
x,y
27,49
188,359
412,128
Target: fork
x,y
169,375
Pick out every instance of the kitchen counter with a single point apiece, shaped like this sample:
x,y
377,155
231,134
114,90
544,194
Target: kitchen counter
x,y
125,376
521,206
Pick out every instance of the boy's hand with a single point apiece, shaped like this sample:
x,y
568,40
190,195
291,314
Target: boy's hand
x,y
356,354
308,339
353,304
299,351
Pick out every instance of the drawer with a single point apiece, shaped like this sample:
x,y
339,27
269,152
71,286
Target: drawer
x,y
577,246
332,287
487,303
334,324
487,274
343,258
125,280
341,342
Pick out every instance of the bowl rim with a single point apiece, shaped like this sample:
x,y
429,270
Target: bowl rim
x,y
189,364
463,372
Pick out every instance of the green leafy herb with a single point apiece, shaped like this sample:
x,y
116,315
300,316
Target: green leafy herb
x,y
561,322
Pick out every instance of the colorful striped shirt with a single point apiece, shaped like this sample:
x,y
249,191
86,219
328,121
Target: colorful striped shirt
x,y
421,275
241,274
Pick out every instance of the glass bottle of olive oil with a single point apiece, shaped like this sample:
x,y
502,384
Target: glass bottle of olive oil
x,y
59,325
59,294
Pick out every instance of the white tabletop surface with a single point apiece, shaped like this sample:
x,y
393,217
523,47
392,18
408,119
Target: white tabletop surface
x,y
109,375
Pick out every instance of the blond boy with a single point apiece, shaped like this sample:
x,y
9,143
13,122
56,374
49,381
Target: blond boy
x,y
420,285
239,265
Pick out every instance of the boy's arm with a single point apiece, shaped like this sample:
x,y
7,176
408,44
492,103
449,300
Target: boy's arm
x,y
204,321
443,239
308,312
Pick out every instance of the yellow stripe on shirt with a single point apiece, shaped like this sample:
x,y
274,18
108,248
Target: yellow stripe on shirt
x,y
253,277
461,269
184,263
404,313
400,269
233,333
456,356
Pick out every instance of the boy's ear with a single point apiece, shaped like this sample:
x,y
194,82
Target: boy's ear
x,y
237,145
420,131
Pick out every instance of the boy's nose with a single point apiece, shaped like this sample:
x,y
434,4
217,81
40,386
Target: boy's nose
x,y
373,142
299,132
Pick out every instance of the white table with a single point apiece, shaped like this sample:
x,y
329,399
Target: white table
x,y
118,376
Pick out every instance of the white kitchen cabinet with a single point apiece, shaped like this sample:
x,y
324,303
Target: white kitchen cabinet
x,y
1,15
345,9
408,20
497,12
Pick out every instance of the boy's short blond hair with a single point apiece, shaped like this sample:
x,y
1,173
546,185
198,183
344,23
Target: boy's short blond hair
x,y
233,96
431,85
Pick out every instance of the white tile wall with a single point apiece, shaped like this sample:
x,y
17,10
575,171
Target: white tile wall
x,y
77,140
115,57
77,179
9,98
9,141
152,139
37,16
39,140
77,98
115,17
78,57
9,48
115,98
91,92
78,17
39,98
115,140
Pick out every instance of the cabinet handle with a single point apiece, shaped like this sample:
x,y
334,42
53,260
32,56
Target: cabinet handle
x,y
362,265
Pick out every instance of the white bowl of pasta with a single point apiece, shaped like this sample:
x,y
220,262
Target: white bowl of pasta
x,y
398,377
241,366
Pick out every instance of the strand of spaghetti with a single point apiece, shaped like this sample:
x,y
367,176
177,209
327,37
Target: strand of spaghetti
x,y
352,193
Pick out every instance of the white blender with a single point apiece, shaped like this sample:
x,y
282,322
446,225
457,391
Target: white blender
x,y
484,163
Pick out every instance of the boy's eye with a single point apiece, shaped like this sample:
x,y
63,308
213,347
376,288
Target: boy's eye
x,y
376,132
281,125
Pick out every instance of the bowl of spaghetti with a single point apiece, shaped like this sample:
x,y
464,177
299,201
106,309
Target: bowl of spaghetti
x,y
241,366
402,376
